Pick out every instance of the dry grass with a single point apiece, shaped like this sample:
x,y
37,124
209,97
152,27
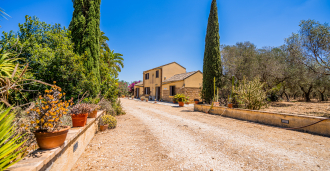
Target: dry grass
x,y
313,108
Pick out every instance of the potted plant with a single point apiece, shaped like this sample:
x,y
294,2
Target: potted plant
x,y
181,99
196,101
175,100
108,121
46,118
79,114
187,100
142,98
94,108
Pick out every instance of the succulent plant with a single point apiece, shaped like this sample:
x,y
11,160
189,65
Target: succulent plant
x,y
81,108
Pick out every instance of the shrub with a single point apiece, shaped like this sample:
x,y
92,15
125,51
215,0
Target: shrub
x,y
118,108
92,100
180,97
107,106
251,94
109,120
46,115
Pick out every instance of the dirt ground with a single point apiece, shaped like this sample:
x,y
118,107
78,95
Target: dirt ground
x,y
158,137
303,108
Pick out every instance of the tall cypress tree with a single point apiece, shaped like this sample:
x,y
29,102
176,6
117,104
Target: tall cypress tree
x,y
212,59
85,31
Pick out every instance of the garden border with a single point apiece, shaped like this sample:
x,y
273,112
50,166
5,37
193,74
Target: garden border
x,y
289,121
62,158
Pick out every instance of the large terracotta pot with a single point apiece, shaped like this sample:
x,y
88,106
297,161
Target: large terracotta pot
x,y
49,140
103,127
181,104
230,105
196,102
93,114
79,120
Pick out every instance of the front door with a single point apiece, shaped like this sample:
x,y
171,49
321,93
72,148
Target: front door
x,y
137,92
157,93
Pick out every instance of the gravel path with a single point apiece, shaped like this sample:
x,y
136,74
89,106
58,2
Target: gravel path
x,y
158,137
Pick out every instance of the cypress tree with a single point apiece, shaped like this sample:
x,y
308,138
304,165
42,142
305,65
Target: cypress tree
x,y
212,59
85,31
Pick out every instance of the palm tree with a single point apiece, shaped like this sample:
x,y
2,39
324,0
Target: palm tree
x,y
7,65
115,61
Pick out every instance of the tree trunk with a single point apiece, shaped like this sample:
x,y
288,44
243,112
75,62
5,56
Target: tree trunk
x,y
287,97
307,93
322,95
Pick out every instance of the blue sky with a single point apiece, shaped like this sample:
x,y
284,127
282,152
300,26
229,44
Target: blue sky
x,y
150,33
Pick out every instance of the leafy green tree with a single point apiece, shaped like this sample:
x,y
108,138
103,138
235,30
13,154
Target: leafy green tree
x,y
49,52
314,44
85,30
212,59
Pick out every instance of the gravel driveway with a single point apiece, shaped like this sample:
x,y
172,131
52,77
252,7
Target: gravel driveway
x,y
158,137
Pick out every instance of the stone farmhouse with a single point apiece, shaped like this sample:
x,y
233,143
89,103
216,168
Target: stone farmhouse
x,y
165,81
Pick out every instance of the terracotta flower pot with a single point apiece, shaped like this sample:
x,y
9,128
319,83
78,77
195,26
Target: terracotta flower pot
x,y
93,114
103,127
230,105
146,100
79,120
181,104
49,140
196,102
187,103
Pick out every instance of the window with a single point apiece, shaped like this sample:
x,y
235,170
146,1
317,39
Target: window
x,y
157,74
146,76
147,90
172,90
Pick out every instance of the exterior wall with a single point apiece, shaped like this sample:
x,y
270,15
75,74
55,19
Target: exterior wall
x,y
166,90
195,80
192,93
141,91
171,70
275,119
152,82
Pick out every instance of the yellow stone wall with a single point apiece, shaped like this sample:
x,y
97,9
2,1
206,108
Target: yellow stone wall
x,y
275,119
195,80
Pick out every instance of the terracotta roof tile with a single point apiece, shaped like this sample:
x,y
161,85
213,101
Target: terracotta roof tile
x,y
179,77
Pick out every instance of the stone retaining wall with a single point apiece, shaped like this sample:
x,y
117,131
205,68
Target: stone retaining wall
x,y
275,119
62,158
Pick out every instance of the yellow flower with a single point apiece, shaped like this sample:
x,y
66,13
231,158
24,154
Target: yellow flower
x,y
54,82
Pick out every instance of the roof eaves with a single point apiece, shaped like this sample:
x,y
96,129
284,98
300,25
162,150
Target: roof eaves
x,y
159,67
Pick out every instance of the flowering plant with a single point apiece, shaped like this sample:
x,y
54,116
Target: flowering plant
x,y
131,86
47,113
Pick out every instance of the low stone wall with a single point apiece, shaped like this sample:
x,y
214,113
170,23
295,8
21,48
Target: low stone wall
x,y
275,119
62,158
